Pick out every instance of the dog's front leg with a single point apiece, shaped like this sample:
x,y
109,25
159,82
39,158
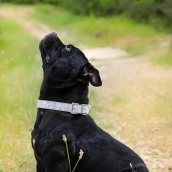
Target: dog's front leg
x,y
38,169
61,166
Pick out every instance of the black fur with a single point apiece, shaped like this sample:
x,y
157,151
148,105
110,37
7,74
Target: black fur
x,y
67,74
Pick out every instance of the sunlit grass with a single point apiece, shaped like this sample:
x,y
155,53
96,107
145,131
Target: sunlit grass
x,y
18,95
91,31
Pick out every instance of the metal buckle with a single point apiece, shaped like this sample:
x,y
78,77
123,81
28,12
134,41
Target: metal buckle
x,y
82,108
73,108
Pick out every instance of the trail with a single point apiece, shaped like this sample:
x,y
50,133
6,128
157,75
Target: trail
x,y
133,79
19,15
39,30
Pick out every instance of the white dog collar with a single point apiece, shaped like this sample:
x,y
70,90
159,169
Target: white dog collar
x,y
73,108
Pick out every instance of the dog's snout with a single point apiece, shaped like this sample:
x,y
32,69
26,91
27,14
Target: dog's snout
x,y
54,34
51,38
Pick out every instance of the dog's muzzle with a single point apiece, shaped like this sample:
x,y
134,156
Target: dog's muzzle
x,y
73,108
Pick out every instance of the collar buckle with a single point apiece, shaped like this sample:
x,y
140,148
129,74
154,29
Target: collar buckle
x,y
83,107
74,106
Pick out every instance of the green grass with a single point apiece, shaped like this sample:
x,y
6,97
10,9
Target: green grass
x,y
18,95
91,31
165,59
135,38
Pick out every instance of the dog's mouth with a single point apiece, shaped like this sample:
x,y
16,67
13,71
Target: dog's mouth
x,y
49,40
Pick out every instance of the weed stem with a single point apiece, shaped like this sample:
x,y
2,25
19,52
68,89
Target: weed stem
x,y
68,157
80,157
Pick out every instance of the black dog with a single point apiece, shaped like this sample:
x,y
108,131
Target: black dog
x,y
67,74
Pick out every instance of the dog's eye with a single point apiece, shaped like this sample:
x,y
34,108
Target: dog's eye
x,y
48,59
68,48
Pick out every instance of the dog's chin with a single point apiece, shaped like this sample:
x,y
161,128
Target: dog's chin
x,y
64,81
61,84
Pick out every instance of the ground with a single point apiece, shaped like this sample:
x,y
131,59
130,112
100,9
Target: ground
x,y
134,91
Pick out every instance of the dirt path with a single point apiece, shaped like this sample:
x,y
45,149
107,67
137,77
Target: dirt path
x,y
138,87
19,15
137,109
39,30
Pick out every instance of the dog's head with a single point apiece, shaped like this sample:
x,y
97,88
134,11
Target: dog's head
x,y
66,65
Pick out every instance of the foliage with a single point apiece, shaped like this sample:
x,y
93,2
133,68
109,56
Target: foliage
x,y
146,11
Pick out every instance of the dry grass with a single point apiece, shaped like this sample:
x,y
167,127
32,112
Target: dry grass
x,y
135,103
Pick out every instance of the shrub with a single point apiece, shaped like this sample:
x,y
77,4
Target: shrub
x,y
139,10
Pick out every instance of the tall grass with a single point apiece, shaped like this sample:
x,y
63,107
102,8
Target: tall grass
x,y
18,92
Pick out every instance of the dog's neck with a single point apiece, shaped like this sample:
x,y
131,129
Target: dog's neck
x,y
77,93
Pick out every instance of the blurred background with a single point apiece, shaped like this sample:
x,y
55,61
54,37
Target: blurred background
x,y
129,42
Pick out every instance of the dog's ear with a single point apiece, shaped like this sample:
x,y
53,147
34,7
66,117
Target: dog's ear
x,y
93,74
